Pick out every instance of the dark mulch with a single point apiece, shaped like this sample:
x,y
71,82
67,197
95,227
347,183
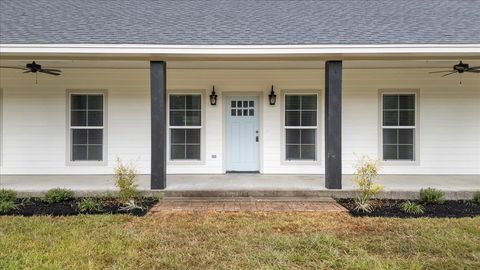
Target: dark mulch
x,y
36,206
391,208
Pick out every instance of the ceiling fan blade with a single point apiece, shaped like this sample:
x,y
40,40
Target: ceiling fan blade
x,y
449,74
22,68
28,71
51,69
49,72
474,70
443,71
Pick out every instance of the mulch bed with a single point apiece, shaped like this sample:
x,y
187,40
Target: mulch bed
x,y
391,208
36,206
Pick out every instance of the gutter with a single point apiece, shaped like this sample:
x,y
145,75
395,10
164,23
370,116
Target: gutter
x,y
254,50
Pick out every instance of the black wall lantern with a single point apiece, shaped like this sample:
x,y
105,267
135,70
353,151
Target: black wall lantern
x,y
272,98
213,97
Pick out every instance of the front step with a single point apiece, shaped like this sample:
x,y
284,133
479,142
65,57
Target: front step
x,y
248,193
250,199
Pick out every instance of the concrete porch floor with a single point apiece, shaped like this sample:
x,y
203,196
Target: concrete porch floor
x,y
237,182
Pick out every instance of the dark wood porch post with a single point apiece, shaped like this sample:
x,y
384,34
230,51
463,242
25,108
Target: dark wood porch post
x,y
333,124
158,98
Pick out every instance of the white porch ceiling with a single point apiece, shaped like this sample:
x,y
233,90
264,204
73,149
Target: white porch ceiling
x,y
298,64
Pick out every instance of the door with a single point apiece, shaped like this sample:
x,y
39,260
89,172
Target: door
x,y
242,134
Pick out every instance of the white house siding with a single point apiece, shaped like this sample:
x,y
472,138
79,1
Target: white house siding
x,y
34,118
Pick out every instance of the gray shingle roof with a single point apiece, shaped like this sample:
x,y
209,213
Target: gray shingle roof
x,y
240,22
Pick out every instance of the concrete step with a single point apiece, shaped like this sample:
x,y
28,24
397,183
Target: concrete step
x,y
248,193
250,199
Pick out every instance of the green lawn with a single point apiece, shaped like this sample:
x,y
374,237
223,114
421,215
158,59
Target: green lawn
x,y
238,241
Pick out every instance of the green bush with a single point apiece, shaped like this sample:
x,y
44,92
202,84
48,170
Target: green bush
x,y
125,175
7,206
7,195
476,197
56,195
412,208
431,196
89,205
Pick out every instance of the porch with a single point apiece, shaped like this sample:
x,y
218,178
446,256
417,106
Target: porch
x,y
396,186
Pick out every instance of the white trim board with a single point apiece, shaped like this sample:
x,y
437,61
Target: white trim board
x,y
202,50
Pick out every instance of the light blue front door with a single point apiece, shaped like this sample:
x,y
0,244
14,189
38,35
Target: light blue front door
x,y
242,134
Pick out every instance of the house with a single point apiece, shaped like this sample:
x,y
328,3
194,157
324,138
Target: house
x,y
224,86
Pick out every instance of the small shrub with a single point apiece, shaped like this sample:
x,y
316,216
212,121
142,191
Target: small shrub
x,y
431,196
89,205
125,175
56,195
130,206
7,206
366,171
412,208
7,195
476,197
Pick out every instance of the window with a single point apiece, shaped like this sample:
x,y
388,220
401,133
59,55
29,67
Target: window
x,y
300,127
185,126
242,108
86,127
398,126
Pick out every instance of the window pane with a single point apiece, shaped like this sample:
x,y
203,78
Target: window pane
x,y
95,136
79,102
245,104
292,118
177,135
390,118
95,102
405,152
293,152
177,152
308,136
251,112
405,136
79,152
79,118
177,118
233,104
251,103
309,118
177,102
194,118
245,112
95,118
239,104
293,136
389,136
308,152
239,112
309,102
79,136
193,152
193,136
193,102
407,101
292,102
389,152
234,112
390,102
95,152
407,118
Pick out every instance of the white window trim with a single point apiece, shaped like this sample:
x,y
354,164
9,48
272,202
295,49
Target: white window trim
x,y
319,135
69,160
416,146
203,98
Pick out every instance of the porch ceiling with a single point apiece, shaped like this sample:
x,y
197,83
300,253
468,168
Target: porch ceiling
x,y
242,64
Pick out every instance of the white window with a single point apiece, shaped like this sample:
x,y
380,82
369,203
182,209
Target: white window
x,y
398,126
300,126
185,126
86,126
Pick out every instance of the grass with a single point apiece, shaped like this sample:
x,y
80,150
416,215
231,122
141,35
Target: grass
x,y
238,241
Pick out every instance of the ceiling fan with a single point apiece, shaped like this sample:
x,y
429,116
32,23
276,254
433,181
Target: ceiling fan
x,y
459,68
35,68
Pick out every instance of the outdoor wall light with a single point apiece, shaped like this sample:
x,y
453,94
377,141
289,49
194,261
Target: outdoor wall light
x,y
272,98
213,97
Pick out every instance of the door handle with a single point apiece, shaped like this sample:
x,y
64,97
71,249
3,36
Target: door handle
x,y
256,138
